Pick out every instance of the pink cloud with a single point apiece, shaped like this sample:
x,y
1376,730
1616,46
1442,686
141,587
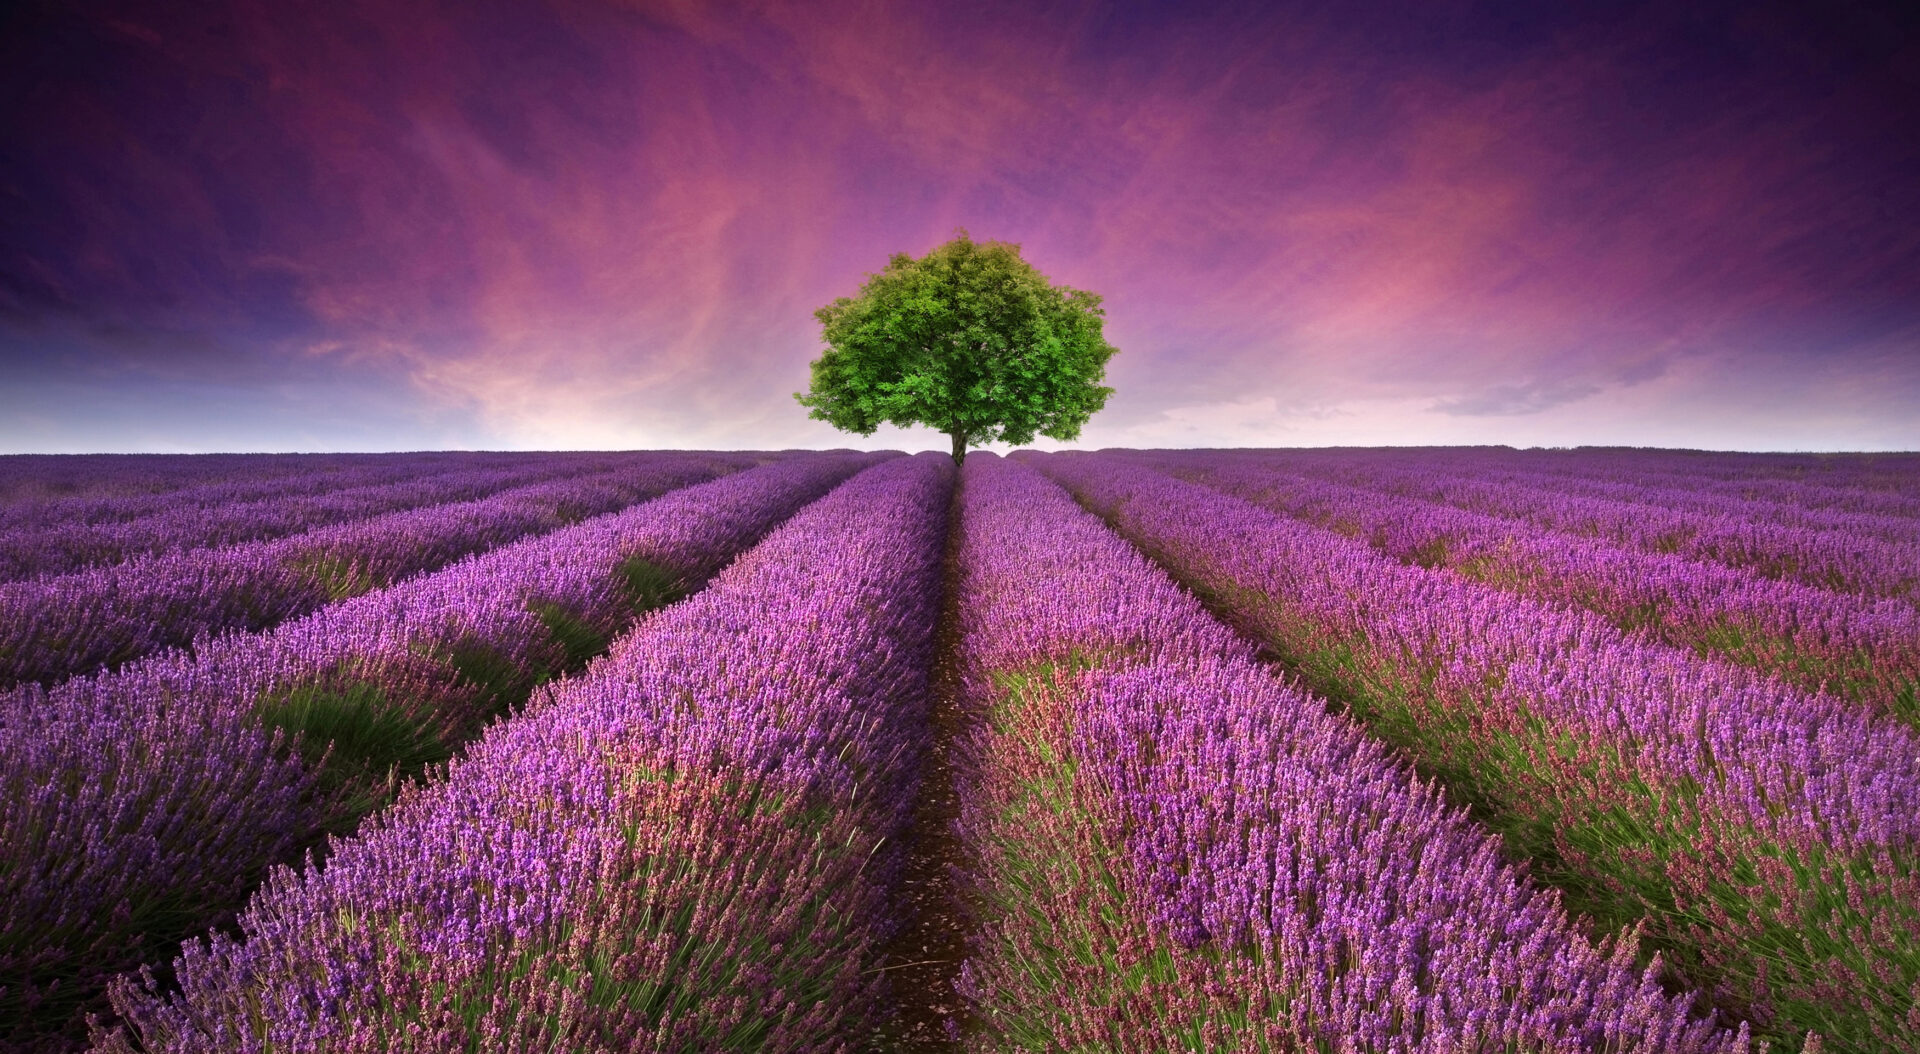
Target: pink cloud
x,y
605,216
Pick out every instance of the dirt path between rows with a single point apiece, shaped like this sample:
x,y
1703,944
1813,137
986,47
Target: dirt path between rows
x,y
924,960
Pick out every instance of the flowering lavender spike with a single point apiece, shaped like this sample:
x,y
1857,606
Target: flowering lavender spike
x,y
1860,647
54,627
690,847
141,806
58,538
1175,850
1873,557
1766,837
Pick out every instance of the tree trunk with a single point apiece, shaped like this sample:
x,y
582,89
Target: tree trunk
x,y
959,449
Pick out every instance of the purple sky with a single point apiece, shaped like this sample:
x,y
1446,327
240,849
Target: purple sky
x,y
280,225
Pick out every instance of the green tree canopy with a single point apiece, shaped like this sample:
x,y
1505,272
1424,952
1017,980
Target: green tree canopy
x,y
968,339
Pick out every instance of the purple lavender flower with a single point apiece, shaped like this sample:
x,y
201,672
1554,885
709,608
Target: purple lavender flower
x,y
1173,849
140,806
689,847
41,539
1862,647
53,627
1764,835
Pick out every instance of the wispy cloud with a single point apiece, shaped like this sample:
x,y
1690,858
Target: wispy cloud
x,y
1507,400
608,223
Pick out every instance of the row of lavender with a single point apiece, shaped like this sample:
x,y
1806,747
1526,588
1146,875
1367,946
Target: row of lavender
x,y
58,542
1177,850
140,806
55,627
1874,484
70,484
1169,847
1873,554
1859,647
39,491
1766,838
1792,504
692,847
696,845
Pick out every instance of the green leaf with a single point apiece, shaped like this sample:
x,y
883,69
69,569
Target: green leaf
x,y
969,338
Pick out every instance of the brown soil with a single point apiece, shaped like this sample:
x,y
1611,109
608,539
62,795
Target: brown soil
x,y
923,961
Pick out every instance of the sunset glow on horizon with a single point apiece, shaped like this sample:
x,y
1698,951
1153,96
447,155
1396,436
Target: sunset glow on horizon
x,y
392,225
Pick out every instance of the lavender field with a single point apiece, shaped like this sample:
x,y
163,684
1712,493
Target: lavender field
x,y
1418,749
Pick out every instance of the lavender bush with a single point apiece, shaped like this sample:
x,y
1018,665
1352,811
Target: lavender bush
x,y
1833,555
55,627
141,806
1767,837
90,488
1859,647
202,518
1176,850
1574,751
1874,485
42,491
689,848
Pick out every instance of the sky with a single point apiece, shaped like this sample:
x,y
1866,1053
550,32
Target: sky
x,y
390,225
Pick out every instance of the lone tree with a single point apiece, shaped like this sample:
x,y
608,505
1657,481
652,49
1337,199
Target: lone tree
x,y
968,339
